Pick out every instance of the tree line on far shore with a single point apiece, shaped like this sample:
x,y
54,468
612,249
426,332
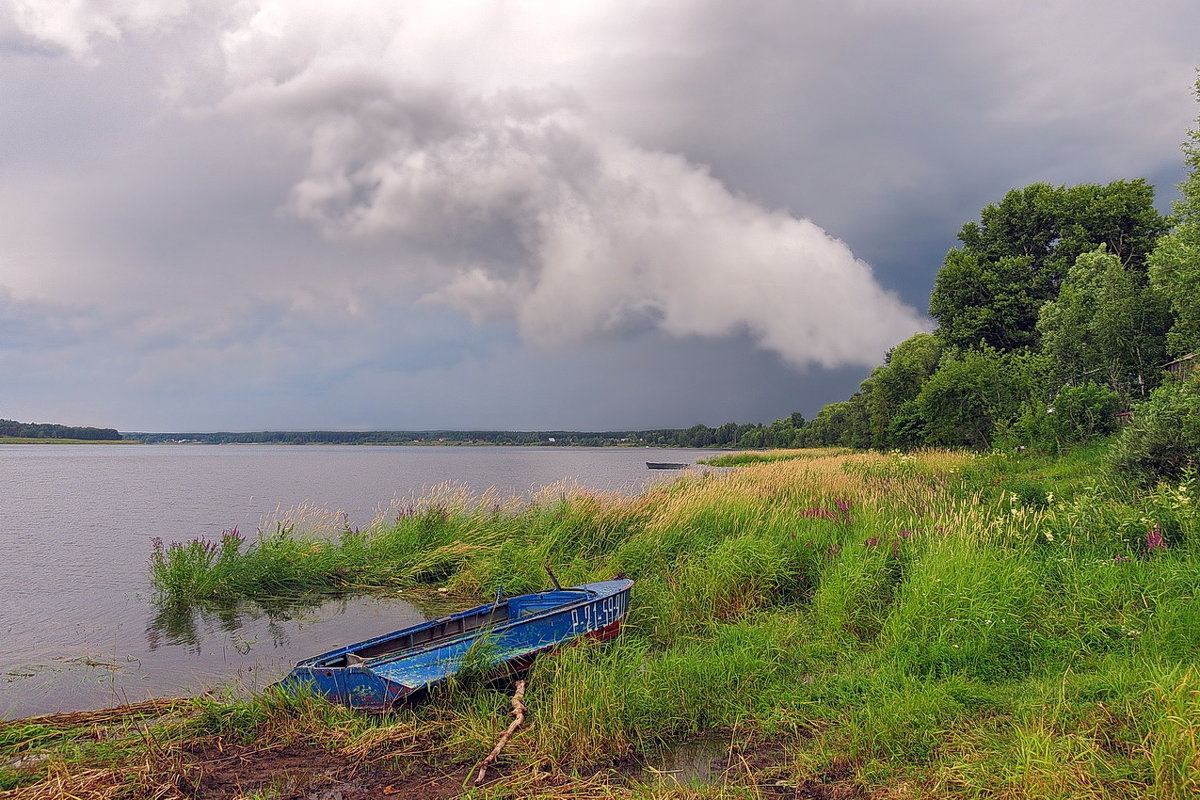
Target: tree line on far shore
x,y
30,430
781,433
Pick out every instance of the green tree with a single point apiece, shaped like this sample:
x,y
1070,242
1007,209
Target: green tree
x,y
699,435
1016,257
752,437
977,392
780,433
1106,324
837,425
1076,414
895,385
1083,412
1175,262
727,434
978,301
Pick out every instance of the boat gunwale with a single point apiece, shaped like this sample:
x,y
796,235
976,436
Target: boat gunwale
x,y
592,596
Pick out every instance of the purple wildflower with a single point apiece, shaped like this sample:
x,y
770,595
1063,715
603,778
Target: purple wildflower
x,y
872,542
1154,539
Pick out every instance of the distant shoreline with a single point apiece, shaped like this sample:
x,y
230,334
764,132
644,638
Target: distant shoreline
x,y
440,438
25,440
413,443
729,436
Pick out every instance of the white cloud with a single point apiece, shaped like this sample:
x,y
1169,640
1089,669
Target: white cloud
x,y
536,211
78,26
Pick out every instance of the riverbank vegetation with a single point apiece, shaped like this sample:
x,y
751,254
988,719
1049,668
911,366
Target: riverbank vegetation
x,y
936,624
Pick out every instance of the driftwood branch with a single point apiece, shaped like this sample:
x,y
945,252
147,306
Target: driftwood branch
x,y
518,718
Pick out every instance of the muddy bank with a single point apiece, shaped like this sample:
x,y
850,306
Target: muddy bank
x,y
398,763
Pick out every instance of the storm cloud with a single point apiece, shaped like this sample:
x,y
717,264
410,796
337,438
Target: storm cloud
x,y
353,214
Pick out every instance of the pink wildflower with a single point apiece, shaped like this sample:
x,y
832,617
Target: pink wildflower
x,y
1154,539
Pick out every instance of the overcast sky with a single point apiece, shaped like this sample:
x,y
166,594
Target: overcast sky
x,y
298,214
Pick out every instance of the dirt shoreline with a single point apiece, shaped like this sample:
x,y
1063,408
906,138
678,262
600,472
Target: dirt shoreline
x,y
223,767
306,772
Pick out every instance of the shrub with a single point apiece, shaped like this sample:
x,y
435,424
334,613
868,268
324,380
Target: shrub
x,y
1077,414
1164,438
1083,412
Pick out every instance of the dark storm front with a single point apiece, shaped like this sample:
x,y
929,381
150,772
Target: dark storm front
x,y
80,623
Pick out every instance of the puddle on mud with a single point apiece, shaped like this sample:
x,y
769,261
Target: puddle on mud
x,y
700,762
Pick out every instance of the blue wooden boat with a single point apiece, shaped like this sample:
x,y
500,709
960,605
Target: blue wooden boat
x,y
375,674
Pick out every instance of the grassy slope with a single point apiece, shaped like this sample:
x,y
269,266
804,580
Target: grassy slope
x,y
899,626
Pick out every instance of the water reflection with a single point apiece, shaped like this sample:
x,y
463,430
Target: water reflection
x,y
698,762
185,650
191,626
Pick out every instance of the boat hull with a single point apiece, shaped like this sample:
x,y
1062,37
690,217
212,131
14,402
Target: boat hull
x,y
509,635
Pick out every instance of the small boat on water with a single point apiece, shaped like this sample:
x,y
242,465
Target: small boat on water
x,y
375,674
665,465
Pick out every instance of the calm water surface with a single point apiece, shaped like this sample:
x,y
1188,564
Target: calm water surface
x,y
79,625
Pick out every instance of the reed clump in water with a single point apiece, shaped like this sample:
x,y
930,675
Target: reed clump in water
x,y
935,624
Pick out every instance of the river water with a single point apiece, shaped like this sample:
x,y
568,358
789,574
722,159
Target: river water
x,y
79,625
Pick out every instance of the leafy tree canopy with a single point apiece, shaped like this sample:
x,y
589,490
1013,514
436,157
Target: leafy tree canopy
x,y
1175,262
976,392
1016,257
38,430
895,385
1105,324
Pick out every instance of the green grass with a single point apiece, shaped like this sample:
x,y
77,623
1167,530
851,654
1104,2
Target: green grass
x,y
926,625
769,456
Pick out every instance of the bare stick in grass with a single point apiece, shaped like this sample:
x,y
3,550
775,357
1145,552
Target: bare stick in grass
x,y
518,718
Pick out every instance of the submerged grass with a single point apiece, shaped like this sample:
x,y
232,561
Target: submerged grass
x,y
927,625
